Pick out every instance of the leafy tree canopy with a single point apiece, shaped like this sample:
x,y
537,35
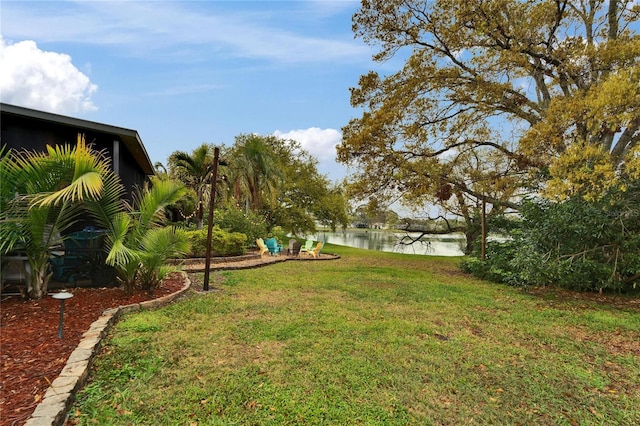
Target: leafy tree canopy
x,y
496,98
262,175
299,195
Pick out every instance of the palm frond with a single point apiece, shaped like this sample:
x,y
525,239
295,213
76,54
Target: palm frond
x,y
110,203
86,186
167,242
120,254
156,199
79,170
158,245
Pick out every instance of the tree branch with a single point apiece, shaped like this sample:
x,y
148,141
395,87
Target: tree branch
x,y
627,141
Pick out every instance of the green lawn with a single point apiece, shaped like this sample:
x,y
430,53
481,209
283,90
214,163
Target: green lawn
x,y
371,338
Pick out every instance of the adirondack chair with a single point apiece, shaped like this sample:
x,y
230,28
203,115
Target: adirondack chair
x,y
294,248
316,251
262,247
274,247
308,245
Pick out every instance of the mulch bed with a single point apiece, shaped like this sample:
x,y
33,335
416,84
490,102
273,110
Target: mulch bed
x,y
31,354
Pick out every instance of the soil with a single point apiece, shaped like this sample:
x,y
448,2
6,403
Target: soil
x,y
31,353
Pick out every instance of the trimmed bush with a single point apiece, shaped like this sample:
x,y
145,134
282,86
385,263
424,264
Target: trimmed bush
x,y
232,219
223,243
575,244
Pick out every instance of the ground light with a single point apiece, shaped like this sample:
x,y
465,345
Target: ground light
x,y
62,296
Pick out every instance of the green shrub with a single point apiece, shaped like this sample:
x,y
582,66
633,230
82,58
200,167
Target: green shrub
x,y
573,244
198,240
232,219
497,267
223,243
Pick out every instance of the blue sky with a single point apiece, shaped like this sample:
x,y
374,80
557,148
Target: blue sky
x,y
188,72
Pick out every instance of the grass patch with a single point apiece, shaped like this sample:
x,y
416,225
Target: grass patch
x,y
372,338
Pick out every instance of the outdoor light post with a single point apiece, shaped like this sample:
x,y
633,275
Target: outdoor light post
x,y
62,296
214,178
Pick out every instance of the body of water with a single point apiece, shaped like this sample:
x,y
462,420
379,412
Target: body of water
x,y
369,239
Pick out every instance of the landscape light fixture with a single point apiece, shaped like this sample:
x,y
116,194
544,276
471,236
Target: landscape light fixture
x,y
62,296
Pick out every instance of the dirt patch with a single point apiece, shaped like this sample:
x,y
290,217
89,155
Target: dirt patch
x,y
554,295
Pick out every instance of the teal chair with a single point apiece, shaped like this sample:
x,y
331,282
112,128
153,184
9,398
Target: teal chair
x,y
273,246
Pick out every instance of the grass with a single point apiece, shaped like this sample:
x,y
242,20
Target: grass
x,y
369,339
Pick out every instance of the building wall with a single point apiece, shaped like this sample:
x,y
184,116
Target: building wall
x,y
23,133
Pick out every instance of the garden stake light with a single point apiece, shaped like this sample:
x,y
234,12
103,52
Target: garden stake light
x,y
62,296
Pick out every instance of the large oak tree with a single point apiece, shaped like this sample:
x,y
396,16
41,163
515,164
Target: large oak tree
x,y
496,99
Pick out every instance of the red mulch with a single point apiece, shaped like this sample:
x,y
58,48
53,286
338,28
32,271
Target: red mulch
x,y
31,354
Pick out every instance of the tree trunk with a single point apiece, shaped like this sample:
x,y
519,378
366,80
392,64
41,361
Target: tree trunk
x,y
38,278
471,234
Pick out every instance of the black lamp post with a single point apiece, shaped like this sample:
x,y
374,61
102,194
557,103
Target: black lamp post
x,y
62,296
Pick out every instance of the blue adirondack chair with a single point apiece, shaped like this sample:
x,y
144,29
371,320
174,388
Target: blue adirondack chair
x,y
273,246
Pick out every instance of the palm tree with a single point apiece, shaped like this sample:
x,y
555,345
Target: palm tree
x,y
140,244
195,171
42,197
254,170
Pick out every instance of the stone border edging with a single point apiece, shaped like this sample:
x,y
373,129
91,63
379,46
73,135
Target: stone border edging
x,y
254,263
214,260
52,410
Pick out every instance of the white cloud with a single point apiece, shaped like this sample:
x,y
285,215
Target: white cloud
x,y
43,80
178,29
321,143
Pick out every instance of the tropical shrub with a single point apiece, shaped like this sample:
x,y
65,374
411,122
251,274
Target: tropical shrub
x,y
42,196
577,244
223,243
140,243
157,246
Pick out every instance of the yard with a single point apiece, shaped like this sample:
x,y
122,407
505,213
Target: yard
x,y
371,338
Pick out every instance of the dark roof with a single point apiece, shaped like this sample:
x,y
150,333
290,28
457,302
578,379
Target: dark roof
x,y
129,137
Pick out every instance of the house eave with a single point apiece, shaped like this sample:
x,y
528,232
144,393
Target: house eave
x,y
129,137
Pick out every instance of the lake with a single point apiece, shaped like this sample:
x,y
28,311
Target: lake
x,y
371,239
